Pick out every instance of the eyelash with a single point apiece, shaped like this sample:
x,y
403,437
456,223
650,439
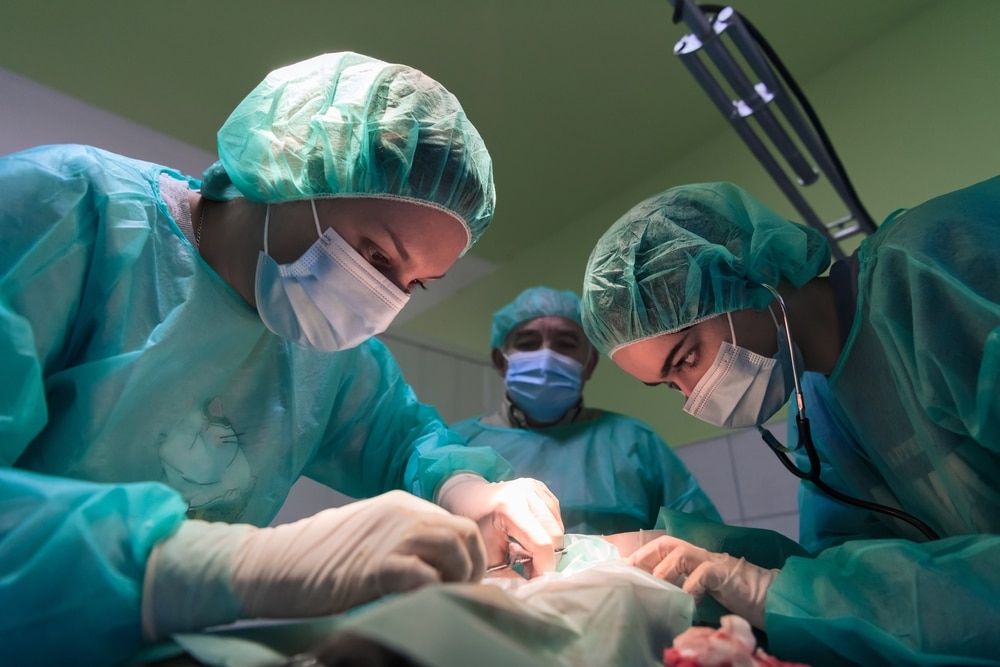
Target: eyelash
x,y
689,361
380,261
376,258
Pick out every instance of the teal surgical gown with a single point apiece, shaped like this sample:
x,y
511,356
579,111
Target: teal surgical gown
x,y
909,417
611,474
139,389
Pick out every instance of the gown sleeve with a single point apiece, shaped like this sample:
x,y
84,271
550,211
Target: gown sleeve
x,y
680,489
889,602
400,444
72,554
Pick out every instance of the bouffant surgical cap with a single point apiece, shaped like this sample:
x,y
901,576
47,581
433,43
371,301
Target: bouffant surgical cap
x,y
532,303
344,124
688,254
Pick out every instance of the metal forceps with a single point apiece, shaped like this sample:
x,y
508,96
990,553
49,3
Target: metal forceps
x,y
518,560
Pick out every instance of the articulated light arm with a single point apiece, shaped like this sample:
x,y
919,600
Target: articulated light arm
x,y
761,96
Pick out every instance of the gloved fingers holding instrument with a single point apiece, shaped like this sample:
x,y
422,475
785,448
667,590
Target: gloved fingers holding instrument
x,y
211,573
523,510
738,585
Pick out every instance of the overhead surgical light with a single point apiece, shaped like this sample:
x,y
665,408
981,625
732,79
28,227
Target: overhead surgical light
x,y
757,93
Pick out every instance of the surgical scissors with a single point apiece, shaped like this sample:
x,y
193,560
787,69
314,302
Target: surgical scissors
x,y
518,560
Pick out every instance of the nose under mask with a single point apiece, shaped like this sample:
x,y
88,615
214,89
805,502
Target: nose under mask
x,y
542,383
329,299
743,388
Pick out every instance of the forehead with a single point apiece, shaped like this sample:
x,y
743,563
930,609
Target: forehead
x,y
551,325
406,214
644,359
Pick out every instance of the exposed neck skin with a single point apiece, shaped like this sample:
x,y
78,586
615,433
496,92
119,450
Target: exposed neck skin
x,y
812,316
232,236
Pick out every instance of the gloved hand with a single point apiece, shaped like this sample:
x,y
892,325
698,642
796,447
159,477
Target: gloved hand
x,y
523,509
738,585
211,573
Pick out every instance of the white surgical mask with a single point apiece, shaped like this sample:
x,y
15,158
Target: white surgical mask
x,y
329,299
743,388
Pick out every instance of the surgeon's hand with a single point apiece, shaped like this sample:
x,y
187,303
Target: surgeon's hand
x,y
211,573
735,583
523,509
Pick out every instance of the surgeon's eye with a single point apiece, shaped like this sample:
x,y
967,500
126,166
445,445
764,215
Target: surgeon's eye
x,y
377,259
688,361
415,284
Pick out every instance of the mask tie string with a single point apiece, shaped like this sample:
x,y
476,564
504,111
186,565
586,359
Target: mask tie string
x,y
267,220
312,202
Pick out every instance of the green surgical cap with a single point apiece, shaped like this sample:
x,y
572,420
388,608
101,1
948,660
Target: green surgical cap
x,y
344,124
688,254
529,304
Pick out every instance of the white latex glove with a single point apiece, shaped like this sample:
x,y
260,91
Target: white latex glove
x,y
523,509
210,573
738,585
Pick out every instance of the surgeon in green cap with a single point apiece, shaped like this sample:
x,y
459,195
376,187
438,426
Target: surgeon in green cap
x,y
611,473
176,352
703,289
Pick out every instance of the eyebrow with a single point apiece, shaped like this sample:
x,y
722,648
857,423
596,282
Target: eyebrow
x,y
405,256
668,361
400,248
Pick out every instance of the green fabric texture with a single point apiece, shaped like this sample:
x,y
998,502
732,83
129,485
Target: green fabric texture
x,y
630,473
688,254
910,418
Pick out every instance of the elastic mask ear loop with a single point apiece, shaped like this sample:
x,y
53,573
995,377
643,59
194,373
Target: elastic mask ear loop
x,y
319,232
732,331
267,220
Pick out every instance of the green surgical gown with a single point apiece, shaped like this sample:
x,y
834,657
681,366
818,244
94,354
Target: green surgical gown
x,y
139,388
910,417
611,474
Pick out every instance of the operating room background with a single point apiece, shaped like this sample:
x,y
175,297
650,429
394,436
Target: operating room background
x,y
585,111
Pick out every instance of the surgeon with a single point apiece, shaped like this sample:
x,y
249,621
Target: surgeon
x,y
611,473
177,352
703,289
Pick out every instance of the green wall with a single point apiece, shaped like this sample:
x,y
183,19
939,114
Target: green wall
x,y
912,115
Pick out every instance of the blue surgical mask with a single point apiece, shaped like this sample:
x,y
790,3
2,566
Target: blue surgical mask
x,y
329,299
743,388
544,384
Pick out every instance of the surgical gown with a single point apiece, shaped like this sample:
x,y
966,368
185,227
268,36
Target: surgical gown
x,y
910,417
611,474
139,388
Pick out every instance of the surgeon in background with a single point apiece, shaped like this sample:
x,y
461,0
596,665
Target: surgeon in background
x,y
177,352
902,347
611,473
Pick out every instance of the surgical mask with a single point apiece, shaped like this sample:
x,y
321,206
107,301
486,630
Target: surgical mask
x,y
329,299
743,388
544,384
